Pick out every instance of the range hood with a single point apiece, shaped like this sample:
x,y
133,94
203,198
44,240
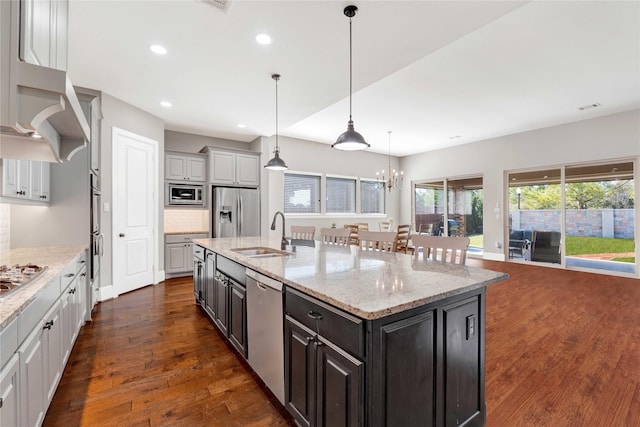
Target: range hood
x,y
41,115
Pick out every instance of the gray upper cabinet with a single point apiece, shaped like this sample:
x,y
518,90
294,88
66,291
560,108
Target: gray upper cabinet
x,y
43,33
232,168
185,167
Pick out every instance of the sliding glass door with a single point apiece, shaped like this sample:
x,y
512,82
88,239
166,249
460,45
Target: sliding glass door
x,y
599,217
579,216
457,202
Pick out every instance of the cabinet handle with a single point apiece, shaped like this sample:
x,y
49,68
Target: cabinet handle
x,y
0,403
48,325
318,343
69,275
72,291
83,275
314,315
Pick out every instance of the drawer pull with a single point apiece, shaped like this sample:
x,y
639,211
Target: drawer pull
x,y
48,325
314,315
69,275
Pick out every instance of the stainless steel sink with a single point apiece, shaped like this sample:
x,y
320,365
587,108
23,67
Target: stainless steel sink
x,y
261,252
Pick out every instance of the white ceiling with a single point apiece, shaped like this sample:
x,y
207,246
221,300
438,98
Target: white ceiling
x,y
427,70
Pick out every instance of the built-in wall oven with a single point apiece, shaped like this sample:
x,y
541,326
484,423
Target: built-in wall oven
x,y
97,239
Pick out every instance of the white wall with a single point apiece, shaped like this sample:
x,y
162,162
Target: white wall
x,y
5,228
124,116
610,137
307,156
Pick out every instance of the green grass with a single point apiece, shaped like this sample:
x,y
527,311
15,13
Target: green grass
x,y
625,259
576,245
476,240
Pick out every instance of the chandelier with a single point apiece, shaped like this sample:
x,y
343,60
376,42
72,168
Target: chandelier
x,y
393,179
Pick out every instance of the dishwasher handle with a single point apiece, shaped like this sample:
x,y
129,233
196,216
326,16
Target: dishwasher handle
x,y
263,281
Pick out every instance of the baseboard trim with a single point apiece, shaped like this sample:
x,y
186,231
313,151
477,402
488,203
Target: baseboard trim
x,y
106,292
494,257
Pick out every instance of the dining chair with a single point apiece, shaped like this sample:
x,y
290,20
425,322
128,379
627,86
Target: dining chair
x,y
383,241
305,232
363,226
353,234
386,225
335,236
402,239
440,248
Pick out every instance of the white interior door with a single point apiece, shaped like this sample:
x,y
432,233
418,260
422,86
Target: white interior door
x,y
134,210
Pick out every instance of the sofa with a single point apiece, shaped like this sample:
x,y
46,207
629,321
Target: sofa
x,y
544,247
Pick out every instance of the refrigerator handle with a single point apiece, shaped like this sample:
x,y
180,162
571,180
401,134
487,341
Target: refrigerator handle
x,y
238,217
241,216
101,245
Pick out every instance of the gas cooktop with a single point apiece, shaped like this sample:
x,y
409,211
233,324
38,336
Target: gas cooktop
x,y
16,277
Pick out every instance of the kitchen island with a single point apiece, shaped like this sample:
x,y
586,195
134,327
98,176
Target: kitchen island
x,y
373,339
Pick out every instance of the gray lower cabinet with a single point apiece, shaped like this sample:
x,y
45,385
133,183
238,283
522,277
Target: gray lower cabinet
x,y
221,290
421,367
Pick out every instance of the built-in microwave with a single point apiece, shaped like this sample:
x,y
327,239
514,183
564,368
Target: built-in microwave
x,y
178,194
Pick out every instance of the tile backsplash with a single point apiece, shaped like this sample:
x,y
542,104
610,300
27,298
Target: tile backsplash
x,y
5,227
186,220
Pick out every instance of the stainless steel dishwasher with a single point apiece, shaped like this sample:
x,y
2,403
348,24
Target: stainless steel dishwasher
x,y
265,330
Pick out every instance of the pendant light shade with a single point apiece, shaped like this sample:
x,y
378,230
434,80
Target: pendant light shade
x,y
350,140
276,163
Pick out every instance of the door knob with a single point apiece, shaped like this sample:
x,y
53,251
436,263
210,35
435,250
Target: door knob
x,y
121,234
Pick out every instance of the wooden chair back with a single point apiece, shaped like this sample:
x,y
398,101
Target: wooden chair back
x,y
305,232
335,236
363,226
386,225
402,238
439,248
353,233
383,241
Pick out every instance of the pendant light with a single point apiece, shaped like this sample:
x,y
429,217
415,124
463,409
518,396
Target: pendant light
x,y
276,164
394,179
350,140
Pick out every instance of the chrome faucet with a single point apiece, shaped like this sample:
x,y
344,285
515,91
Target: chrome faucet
x,y
283,242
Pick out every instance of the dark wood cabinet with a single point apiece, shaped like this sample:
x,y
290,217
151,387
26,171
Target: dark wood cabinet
x,y
238,316
300,371
209,284
339,395
463,365
324,384
421,367
221,289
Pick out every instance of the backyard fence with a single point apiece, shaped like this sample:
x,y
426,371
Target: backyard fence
x,y
617,223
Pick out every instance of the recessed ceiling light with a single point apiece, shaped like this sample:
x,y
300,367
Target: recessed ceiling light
x,y
36,135
242,125
454,137
263,38
590,106
166,104
157,49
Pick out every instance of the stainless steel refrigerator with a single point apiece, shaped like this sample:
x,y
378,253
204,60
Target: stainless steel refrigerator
x,y
235,212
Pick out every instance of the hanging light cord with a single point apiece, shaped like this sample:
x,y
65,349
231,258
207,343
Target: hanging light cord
x,y
350,68
276,77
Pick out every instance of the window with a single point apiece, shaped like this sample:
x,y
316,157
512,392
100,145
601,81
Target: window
x,y
371,197
301,193
341,195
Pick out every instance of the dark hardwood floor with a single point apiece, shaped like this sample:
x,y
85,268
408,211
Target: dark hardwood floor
x,y
562,349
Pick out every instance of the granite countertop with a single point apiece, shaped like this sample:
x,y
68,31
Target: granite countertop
x,y
367,284
54,257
